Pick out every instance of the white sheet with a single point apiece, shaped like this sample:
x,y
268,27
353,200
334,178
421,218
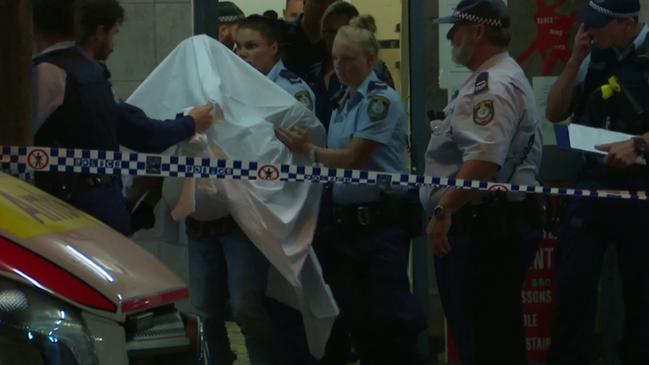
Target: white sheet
x,y
278,217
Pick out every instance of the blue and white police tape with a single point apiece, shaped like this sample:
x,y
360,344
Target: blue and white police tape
x,y
24,160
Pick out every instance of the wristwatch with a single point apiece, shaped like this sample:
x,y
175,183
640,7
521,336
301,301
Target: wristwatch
x,y
640,146
439,213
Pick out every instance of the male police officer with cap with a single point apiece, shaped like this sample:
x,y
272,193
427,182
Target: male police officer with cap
x,y
610,47
229,16
484,242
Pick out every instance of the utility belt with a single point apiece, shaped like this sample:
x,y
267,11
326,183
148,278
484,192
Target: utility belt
x,y
220,227
65,186
499,213
392,210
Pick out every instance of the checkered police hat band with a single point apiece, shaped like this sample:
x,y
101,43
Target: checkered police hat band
x,y
602,10
467,17
231,18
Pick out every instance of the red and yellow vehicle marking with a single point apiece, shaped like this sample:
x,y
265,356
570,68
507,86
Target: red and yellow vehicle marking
x,y
26,211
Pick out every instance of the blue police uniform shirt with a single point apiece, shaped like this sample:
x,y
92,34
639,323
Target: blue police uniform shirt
x,y
621,54
374,113
326,99
491,118
292,84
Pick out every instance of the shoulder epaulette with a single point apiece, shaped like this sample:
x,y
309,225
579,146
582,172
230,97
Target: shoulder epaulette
x,y
377,85
290,76
481,83
336,98
642,53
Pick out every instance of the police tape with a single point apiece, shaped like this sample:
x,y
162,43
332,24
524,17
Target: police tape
x,y
25,160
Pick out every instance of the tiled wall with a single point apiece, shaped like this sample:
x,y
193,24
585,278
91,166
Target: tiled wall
x,y
151,30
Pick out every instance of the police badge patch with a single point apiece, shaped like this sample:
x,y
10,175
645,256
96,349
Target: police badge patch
x,y
304,98
483,112
378,108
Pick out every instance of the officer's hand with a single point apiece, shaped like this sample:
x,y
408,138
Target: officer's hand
x,y
437,234
203,118
582,45
296,141
620,154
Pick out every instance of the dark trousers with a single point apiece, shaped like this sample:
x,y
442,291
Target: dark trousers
x,y
371,286
480,280
289,326
589,228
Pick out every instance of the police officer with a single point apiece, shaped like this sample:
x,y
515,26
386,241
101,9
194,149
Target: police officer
x,y
74,107
304,46
229,15
611,46
368,131
321,77
293,9
259,42
98,21
484,242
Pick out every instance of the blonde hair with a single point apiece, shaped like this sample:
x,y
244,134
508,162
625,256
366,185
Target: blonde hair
x,y
361,31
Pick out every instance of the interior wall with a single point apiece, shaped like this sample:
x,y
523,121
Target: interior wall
x,y
388,16
255,6
151,30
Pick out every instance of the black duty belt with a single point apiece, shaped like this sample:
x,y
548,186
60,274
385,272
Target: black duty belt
x,y
365,215
499,211
393,210
197,229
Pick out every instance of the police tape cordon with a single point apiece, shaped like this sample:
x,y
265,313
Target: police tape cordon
x,y
26,160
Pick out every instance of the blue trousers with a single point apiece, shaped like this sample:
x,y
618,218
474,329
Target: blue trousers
x,y
590,227
480,281
231,263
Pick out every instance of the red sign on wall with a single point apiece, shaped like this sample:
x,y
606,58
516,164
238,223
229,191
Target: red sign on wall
x,y
552,41
537,296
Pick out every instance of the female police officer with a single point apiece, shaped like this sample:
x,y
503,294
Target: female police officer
x,y
368,131
259,44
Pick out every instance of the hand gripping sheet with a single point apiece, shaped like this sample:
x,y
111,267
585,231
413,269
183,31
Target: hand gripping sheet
x,y
278,217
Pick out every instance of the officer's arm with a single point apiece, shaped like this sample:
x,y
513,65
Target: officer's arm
x,y
140,133
353,157
561,95
455,199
